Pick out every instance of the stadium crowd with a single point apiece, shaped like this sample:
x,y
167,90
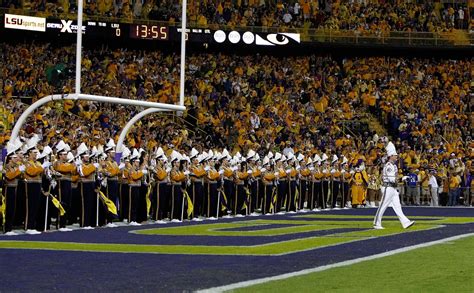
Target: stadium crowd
x,y
284,115
361,16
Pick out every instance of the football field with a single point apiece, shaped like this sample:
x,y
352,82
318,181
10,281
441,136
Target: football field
x,y
319,251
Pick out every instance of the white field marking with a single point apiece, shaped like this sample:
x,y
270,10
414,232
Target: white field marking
x,y
327,267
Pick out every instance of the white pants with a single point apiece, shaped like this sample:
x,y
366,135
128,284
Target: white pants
x,y
434,196
390,198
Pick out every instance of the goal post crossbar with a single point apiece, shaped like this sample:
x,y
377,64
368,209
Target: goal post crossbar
x,y
85,97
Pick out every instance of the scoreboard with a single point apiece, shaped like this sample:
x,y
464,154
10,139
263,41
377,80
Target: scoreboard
x,y
161,32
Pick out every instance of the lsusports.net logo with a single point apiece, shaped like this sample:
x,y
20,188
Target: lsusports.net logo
x,y
249,38
23,22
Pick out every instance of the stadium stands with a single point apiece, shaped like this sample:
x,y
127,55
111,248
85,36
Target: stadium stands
x,y
313,105
362,16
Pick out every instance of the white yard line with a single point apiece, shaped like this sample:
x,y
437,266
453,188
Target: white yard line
x,y
327,267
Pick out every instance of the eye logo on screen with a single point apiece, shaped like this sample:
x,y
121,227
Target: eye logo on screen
x,y
249,38
279,39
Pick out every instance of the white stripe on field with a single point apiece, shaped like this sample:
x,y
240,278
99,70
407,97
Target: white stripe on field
x,y
327,267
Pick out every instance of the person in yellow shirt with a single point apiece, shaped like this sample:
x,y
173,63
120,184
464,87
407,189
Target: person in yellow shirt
x,y
425,189
454,181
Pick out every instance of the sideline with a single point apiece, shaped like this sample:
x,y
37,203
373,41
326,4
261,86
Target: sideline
x,y
327,267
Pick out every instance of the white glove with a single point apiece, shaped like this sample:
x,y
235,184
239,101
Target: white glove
x,y
221,172
168,170
46,165
298,167
121,166
276,174
145,171
207,168
288,171
96,165
311,168
186,173
249,171
404,178
352,172
333,171
53,184
104,183
78,162
235,168
22,168
263,170
79,170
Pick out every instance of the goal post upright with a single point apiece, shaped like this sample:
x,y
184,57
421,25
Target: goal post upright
x,y
79,46
155,107
183,53
126,129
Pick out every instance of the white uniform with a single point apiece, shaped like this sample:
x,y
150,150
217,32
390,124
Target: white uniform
x,y
390,197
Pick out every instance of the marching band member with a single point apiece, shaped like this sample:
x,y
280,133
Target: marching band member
x,y
197,184
145,188
213,185
255,183
177,179
135,175
64,170
242,193
75,208
346,181
293,192
33,177
326,181
269,189
335,182
282,188
124,189
389,192
317,177
13,172
305,188
111,172
228,179
86,171
162,188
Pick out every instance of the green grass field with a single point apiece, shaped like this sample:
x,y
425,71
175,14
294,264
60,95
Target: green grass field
x,y
447,267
